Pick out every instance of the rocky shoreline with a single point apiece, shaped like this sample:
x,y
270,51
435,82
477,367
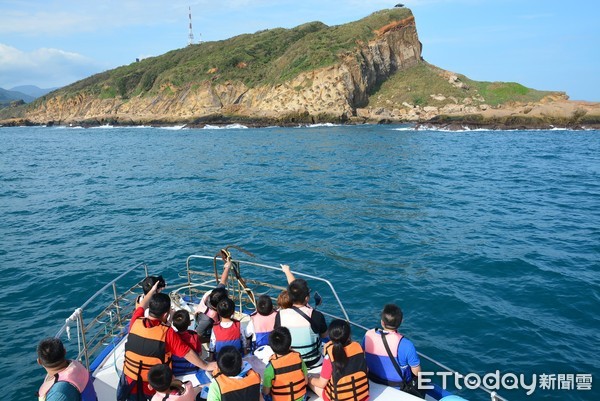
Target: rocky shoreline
x,y
442,122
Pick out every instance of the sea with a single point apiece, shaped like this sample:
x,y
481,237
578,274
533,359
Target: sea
x,y
488,240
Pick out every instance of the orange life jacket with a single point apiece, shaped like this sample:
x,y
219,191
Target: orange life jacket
x,y
353,384
146,346
246,388
289,382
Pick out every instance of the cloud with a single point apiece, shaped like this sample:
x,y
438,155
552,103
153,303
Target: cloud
x,y
43,67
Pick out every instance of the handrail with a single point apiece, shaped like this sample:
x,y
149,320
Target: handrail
x,y
278,269
84,347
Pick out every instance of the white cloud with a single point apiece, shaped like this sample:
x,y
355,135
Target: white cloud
x,y
43,67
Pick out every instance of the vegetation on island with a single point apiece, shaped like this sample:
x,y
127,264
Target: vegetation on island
x,y
276,56
416,85
266,57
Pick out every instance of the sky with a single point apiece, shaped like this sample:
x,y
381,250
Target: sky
x,y
546,45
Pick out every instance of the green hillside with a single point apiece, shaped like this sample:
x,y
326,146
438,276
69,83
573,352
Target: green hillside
x,y
416,85
265,57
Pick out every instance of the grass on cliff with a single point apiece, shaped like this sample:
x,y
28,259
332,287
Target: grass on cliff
x,y
266,57
415,86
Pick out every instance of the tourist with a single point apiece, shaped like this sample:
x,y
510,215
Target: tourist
x,y
261,323
181,321
306,324
66,380
392,358
344,372
228,331
206,311
284,378
150,342
160,378
230,382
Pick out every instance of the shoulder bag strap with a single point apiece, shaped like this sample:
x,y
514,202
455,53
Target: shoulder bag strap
x,y
389,352
305,316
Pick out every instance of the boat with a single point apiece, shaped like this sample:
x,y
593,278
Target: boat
x,y
101,323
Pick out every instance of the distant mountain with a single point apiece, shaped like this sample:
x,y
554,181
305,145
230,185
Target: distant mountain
x,y
32,90
7,96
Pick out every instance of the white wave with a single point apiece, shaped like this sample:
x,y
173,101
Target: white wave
x,y
229,126
174,128
319,125
105,126
404,129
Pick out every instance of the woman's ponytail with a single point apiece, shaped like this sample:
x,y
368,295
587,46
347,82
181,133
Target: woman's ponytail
x,y
339,333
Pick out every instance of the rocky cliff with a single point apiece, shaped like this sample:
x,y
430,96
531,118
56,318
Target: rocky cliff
x,y
329,93
366,71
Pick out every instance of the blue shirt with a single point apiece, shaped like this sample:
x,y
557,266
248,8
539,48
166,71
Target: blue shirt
x,y
63,391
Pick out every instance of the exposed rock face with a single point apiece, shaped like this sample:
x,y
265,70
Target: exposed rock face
x,y
335,91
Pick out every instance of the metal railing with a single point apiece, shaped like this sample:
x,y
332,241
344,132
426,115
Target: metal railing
x,y
106,323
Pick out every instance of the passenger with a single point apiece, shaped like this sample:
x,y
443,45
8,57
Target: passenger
x,y
261,323
306,324
151,342
229,331
284,378
344,372
147,284
283,300
181,321
206,311
231,384
391,358
160,378
66,380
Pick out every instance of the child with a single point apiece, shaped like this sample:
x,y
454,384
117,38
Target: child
x,y
283,300
261,322
284,378
344,367
181,321
147,285
206,311
230,382
160,378
229,331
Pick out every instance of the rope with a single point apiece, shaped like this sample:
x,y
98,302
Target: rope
x,y
73,318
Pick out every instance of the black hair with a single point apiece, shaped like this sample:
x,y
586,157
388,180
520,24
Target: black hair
x,y
280,340
149,282
264,305
160,377
229,361
391,316
181,320
225,308
339,333
216,296
159,305
298,291
51,352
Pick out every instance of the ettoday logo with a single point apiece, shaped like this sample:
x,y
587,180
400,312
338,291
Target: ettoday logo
x,y
508,381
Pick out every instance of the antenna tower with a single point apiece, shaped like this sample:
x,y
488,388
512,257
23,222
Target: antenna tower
x,y
191,35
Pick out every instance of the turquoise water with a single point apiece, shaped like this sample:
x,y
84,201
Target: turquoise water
x,y
490,241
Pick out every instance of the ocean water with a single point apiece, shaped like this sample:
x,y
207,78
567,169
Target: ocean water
x,y
489,241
